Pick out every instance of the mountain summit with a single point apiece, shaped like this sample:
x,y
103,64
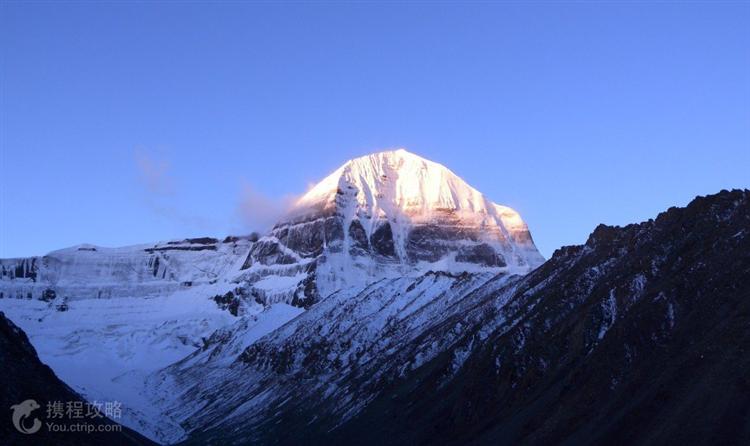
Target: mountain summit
x,y
402,190
393,213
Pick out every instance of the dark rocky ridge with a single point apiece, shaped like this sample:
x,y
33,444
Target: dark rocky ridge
x,y
640,336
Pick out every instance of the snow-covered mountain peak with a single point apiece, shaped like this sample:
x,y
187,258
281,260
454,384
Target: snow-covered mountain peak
x,y
394,180
405,189
388,214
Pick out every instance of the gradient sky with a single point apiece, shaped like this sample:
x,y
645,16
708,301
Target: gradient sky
x,y
125,123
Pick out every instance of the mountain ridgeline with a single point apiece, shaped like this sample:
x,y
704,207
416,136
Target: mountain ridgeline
x,y
637,337
395,304
640,336
388,214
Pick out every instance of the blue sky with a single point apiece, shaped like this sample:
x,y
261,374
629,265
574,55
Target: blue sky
x,y
127,122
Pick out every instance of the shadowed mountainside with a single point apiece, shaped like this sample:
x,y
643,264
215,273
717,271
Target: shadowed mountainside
x,y
639,336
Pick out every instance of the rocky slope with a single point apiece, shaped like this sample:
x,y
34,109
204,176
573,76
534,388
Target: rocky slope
x,y
336,353
637,337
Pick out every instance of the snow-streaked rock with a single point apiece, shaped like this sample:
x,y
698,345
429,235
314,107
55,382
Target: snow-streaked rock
x,y
336,353
390,214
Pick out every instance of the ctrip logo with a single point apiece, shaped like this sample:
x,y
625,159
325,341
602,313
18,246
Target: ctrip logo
x,y
21,412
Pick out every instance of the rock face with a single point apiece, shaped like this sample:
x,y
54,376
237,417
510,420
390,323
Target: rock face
x,y
25,378
390,214
637,337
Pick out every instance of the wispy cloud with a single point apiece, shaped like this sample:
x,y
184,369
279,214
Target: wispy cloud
x,y
153,172
259,212
161,194
254,210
